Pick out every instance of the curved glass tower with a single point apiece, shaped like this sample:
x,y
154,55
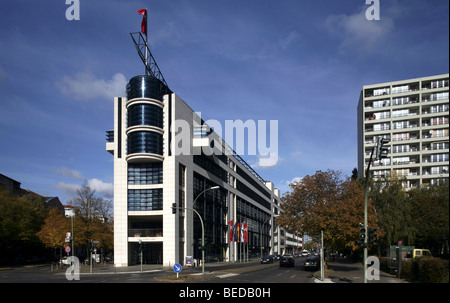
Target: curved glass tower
x,y
145,119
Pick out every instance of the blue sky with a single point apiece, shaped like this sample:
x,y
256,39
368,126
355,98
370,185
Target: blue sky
x,y
302,63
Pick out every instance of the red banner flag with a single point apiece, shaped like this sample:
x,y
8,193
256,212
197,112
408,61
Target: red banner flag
x,y
231,230
245,233
143,12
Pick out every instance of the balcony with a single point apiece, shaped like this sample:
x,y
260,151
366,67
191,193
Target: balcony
x,y
110,141
145,232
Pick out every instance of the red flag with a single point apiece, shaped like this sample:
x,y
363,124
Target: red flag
x,y
231,230
245,233
144,20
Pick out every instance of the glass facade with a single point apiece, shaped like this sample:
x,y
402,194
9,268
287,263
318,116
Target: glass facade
x,y
145,173
146,87
145,114
145,142
145,199
211,206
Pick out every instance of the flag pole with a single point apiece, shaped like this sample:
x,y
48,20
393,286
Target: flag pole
x,y
146,41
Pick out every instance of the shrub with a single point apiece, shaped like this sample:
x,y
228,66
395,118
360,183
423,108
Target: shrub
x,y
427,270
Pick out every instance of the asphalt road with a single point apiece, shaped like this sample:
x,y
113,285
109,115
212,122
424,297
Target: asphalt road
x,y
252,272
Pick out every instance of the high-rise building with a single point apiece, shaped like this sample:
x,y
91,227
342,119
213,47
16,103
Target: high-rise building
x,y
413,115
165,155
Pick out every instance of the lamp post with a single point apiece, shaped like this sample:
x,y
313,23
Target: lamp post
x,y
261,233
201,221
203,227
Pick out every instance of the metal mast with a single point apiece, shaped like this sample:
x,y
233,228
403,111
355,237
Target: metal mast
x,y
146,56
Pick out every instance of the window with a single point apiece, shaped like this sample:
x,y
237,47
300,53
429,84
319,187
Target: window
x,y
145,142
439,120
149,173
439,158
400,137
182,185
182,175
145,199
145,114
381,91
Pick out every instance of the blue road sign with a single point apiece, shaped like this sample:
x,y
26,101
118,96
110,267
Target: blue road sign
x,y
177,268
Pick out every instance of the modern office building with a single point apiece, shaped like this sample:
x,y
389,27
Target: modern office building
x,y
413,115
164,153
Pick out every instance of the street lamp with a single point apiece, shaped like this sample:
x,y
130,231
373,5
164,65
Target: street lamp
x,y
203,227
261,233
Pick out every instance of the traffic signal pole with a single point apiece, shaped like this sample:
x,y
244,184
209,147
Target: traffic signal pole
x,y
203,233
380,153
366,189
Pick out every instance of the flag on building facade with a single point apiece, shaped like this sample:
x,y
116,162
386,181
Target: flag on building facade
x,y
230,224
245,233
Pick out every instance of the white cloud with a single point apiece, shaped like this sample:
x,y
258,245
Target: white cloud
x,y
85,86
283,185
289,39
107,189
358,32
100,187
70,189
66,172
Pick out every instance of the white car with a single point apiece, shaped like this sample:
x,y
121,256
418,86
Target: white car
x,y
305,253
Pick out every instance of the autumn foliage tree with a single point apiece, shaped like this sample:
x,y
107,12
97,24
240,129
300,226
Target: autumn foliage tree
x,y
326,201
52,233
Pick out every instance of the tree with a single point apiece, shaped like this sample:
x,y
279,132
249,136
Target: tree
x,y
91,220
89,205
326,201
20,219
430,216
393,211
53,231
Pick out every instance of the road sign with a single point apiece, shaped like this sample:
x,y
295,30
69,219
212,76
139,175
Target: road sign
x,y
177,268
67,249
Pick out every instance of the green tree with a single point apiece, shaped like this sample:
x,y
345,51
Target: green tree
x,y
393,211
430,216
20,219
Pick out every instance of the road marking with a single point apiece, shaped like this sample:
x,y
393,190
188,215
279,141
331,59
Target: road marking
x,y
292,277
227,275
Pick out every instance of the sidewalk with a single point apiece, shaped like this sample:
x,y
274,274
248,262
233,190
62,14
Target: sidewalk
x,y
352,272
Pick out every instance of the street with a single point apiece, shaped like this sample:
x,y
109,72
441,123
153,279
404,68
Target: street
x,y
248,272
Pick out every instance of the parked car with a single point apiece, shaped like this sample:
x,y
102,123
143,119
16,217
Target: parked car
x,y
287,260
312,263
267,259
277,257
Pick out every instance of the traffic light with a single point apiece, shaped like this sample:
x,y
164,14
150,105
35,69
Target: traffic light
x,y
174,208
371,235
381,150
362,236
